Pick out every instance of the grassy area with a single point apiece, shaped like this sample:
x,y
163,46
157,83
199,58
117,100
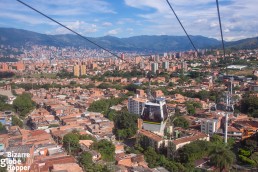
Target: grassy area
x,y
243,72
44,75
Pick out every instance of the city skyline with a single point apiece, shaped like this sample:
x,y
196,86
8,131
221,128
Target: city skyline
x,y
131,18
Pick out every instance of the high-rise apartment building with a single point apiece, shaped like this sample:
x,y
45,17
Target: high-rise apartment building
x,y
76,70
154,67
165,65
210,126
83,69
135,104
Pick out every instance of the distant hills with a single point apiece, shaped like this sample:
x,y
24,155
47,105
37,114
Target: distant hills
x,y
162,43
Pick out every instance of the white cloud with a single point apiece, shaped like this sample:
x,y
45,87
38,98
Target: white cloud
x,y
226,30
107,24
200,17
25,18
75,7
78,26
114,31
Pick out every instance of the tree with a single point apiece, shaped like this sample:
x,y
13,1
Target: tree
x,y
3,105
249,104
193,151
73,83
190,109
85,159
132,87
103,106
151,157
181,122
106,149
64,74
203,95
16,121
221,157
87,137
71,142
23,104
215,138
250,144
104,85
125,125
2,128
171,149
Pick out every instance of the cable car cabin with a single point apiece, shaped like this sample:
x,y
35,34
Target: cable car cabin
x,y
155,115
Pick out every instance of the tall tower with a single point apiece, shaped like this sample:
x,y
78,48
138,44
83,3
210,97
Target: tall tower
x,y
165,65
154,67
83,69
76,70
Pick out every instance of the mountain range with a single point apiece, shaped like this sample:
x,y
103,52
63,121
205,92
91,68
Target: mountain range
x,y
163,43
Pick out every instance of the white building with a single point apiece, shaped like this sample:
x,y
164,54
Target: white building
x,y
154,67
236,67
136,104
165,65
209,126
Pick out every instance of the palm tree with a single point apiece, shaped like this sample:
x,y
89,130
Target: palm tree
x,y
221,157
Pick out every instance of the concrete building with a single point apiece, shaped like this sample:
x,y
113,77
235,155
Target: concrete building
x,y
209,126
154,67
83,69
165,65
136,104
76,70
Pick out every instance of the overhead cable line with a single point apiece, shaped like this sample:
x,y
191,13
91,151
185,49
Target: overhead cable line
x,y
220,26
182,26
69,29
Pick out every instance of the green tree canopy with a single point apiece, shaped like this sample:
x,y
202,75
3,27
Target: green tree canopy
x,y
125,124
16,121
106,149
193,151
71,142
87,137
2,128
181,122
151,157
3,105
23,104
249,104
132,87
221,157
85,159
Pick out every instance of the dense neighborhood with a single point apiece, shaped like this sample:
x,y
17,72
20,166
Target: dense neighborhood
x,y
77,110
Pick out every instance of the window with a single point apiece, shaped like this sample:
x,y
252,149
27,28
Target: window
x,y
152,113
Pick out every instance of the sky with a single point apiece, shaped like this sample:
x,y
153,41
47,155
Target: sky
x,y
126,18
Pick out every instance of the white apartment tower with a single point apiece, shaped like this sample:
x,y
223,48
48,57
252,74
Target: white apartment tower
x,y
209,126
136,104
154,67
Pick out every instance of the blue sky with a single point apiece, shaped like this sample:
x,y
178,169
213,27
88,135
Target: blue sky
x,y
125,18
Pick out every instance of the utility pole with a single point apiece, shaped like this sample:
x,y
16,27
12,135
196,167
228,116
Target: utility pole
x,y
229,108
